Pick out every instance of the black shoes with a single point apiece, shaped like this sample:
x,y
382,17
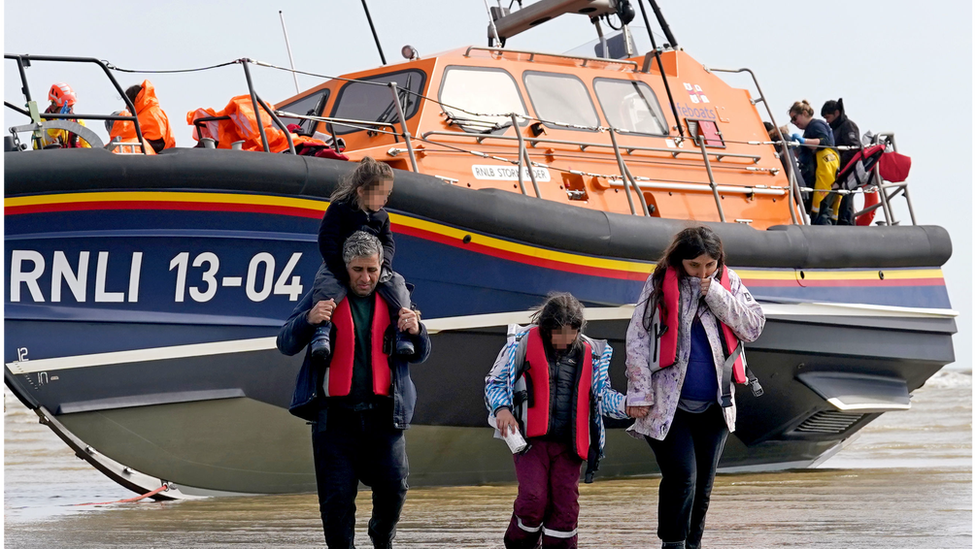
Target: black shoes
x,y
404,347
320,345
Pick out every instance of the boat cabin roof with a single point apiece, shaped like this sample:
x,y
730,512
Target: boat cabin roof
x,y
568,112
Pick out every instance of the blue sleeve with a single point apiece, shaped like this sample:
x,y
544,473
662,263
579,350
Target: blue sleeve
x,y
331,241
421,343
386,238
610,402
499,381
818,129
296,333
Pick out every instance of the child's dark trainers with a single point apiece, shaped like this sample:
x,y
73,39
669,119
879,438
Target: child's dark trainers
x,y
404,347
320,343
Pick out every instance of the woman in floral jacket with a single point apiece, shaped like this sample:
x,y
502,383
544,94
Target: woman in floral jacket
x,y
683,341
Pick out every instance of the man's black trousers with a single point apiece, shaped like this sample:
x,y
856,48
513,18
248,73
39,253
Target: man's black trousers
x,y
349,447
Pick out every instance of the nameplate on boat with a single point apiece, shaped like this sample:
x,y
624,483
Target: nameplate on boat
x,y
508,173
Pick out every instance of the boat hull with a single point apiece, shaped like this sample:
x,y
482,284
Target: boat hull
x,y
218,422
142,301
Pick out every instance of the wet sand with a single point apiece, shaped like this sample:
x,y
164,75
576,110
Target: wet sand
x,y
906,482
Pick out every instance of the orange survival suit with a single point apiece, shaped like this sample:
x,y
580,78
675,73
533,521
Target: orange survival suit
x,y
152,120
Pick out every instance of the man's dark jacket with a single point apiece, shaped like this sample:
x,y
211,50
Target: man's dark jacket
x,y
307,400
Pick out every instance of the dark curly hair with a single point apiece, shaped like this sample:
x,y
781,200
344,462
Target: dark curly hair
x,y
687,244
560,309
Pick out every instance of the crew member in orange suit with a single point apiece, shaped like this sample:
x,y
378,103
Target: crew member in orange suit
x,y
152,119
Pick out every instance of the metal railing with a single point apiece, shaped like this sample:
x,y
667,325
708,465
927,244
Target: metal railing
x,y
898,188
32,111
24,61
524,163
796,199
583,145
532,55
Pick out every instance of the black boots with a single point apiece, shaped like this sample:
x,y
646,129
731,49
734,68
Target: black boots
x,y
320,344
673,545
404,347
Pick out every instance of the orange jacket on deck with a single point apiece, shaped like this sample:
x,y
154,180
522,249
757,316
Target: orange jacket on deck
x,y
242,126
152,120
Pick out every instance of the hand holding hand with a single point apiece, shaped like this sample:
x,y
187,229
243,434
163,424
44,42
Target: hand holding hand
x,y
321,312
504,420
638,411
409,321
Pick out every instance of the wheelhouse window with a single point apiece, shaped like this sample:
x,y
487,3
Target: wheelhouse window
x,y
630,106
367,100
560,98
310,105
468,94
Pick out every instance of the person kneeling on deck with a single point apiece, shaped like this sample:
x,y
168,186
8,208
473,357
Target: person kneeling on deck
x,y
557,383
360,398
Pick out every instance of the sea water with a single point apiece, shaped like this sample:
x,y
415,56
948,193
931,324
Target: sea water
x,y
904,482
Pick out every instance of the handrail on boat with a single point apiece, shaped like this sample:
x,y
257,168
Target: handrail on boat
x,y
585,145
524,157
796,200
700,141
900,188
348,122
15,108
403,124
646,183
625,173
24,60
257,101
885,197
532,54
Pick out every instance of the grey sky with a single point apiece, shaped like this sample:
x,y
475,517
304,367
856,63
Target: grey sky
x,y
900,66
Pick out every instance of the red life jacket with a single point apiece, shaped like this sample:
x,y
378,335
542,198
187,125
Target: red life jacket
x,y
669,340
537,415
338,376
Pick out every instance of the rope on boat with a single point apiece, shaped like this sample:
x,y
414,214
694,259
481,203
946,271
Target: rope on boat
x,y
322,76
130,500
609,177
119,69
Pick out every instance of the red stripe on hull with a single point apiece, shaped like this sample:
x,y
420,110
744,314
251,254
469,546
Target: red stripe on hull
x,y
520,258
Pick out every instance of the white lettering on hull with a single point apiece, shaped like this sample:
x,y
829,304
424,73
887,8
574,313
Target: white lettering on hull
x,y
508,173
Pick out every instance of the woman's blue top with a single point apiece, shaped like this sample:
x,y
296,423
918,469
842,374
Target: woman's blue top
x,y
701,381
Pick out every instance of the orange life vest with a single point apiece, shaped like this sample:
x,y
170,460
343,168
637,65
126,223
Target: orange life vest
x,y
338,376
537,415
669,339
243,126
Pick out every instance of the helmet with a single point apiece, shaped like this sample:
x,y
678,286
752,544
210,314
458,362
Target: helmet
x,y
62,94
